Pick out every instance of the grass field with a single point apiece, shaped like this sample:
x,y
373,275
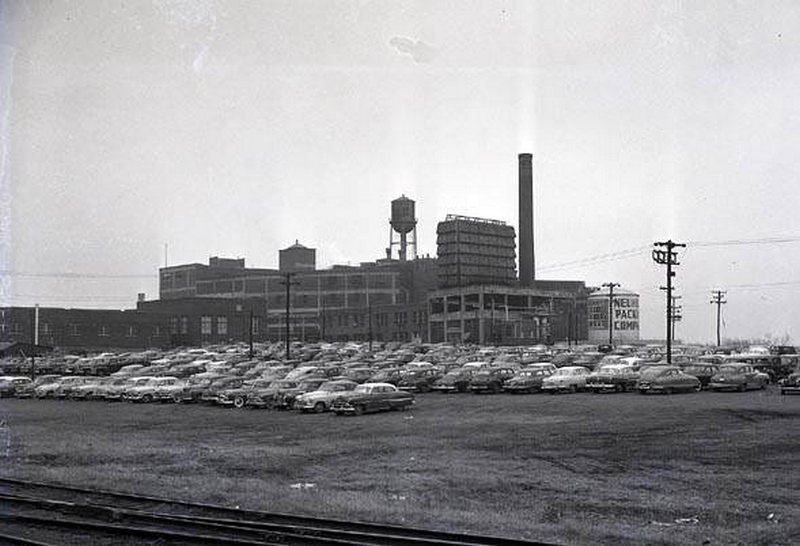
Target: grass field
x,y
700,468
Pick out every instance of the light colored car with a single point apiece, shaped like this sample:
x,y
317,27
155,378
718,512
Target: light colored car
x,y
566,379
739,377
369,397
10,385
321,399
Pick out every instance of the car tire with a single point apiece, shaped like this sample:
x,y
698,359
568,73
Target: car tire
x,y
176,399
147,398
697,388
238,402
573,389
742,387
359,409
319,407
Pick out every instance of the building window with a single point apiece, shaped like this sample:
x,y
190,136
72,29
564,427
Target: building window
x,y
156,331
173,325
131,331
184,325
44,329
15,328
74,330
222,325
256,325
205,326
104,331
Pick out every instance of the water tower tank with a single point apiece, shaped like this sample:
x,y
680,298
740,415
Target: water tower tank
x,y
403,217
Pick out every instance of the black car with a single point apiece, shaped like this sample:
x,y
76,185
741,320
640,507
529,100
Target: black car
x,y
703,372
490,380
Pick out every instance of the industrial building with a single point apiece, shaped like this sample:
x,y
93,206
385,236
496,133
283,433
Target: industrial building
x,y
469,293
481,300
475,251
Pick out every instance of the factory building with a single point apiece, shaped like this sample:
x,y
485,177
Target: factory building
x,y
475,251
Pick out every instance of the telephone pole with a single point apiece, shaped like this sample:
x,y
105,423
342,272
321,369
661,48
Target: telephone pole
x,y
669,258
676,314
718,296
611,286
288,283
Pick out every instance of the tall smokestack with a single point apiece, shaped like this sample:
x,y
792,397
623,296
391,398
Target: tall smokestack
x,y
527,264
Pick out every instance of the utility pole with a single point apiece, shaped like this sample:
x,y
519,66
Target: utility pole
x,y
369,326
611,286
676,314
718,296
668,257
288,283
251,330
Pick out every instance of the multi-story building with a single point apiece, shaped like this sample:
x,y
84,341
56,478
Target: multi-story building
x,y
546,312
475,251
342,290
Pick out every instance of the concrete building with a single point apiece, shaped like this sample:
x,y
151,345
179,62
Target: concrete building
x,y
474,251
509,315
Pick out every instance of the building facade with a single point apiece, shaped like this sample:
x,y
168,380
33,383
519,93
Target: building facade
x,y
511,315
475,251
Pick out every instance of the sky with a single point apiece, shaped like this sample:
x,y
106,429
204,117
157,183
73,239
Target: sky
x,y
232,128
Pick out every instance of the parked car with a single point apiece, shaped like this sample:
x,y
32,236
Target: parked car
x,y
528,380
67,385
387,375
566,379
738,376
10,385
419,380
210,392
153,389
791,385
667,379
321,399
490,380
613,378
702,371
288,396
456,380
88,389
371,397
238,396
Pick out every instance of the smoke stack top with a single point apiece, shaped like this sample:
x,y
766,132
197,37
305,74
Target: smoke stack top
x,y
527,267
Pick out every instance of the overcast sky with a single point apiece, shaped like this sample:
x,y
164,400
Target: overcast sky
x,y
233,128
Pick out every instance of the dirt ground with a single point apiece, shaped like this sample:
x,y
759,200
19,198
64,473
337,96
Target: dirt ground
x,y
702,468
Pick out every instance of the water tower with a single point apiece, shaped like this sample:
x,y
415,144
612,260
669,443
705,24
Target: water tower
x,y
403,222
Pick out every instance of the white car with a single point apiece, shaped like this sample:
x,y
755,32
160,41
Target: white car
x,y
566,379
321,399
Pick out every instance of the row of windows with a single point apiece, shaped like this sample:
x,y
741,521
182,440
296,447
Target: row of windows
x,y
76,330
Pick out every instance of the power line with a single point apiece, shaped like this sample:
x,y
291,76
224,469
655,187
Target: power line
x,y
737,242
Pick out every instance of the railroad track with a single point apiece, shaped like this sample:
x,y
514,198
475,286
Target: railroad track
x,y
37,510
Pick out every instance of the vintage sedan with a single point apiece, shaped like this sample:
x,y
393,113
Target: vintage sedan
x,y
566,379
667,379
419,380
157,388
288,396
387,375
613,378
528,380
791,385
321,399
10,385
738,377
702,371
456,380
490,380
371,397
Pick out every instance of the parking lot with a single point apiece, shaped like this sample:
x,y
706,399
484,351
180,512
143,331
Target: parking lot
x,y
714,468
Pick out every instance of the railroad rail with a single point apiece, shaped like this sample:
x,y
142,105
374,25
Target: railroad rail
x,y
29,505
